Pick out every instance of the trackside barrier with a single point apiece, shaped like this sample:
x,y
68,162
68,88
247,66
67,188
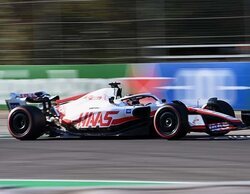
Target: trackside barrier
x,y
192,83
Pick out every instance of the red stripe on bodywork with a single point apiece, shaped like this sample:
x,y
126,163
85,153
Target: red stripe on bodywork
x,y
114,121
70,99
212,113
152,113
66,121
127,119
198,128
123,120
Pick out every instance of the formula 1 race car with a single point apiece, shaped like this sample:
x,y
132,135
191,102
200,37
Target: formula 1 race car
x,y
105,112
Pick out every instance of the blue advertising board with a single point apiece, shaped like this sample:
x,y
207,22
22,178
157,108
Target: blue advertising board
x,y
193,83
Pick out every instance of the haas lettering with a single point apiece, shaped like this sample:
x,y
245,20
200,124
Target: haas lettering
x,y
101,119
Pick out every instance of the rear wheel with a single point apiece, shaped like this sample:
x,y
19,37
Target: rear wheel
x,y
168,122
222,107
26,123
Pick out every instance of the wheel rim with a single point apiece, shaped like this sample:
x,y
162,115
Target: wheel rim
x,y
168,123
19,123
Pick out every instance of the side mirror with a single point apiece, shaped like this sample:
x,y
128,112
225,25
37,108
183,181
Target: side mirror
x,y
163,100
111,100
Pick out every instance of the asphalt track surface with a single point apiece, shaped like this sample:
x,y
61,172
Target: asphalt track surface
x,y
193,159
196,158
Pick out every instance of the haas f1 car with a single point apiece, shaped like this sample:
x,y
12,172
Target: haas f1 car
x,y
105,112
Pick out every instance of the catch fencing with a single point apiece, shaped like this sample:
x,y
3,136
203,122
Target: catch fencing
x,y
132,31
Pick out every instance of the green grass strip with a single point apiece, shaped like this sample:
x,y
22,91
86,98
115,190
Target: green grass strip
x,y
72,183
3,107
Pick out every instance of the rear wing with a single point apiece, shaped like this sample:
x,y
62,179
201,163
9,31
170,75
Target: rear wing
x,y
19,99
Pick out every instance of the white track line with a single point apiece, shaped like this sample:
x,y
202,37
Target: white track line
x,y
139,182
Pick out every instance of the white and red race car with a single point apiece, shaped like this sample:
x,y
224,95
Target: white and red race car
x,y
105,112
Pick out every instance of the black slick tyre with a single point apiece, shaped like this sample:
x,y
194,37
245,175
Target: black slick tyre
x,y
26,122
168,122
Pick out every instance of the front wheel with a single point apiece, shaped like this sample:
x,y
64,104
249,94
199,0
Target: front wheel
x,y
222,107
26,122
168,122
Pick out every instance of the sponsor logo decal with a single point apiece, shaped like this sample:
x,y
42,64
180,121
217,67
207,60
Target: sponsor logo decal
x,y
14,105
128,111
92,97
218,126
101,119
27,95
195,120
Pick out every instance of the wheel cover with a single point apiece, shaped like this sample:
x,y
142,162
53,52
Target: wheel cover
x,y
168,123
19,123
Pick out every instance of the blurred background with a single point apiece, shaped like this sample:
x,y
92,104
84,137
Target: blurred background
x,y
188,50
132,31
